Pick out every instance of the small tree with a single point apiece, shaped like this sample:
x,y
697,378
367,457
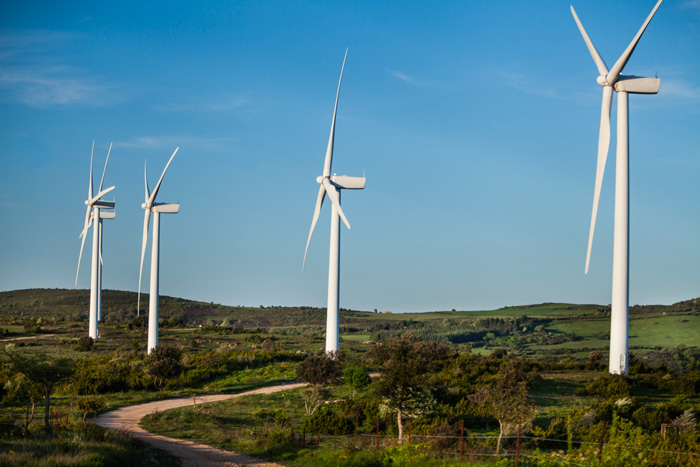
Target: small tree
x,y
21,390
46,373
164,363
322,368
314,397
405,363
506,399
85,344
92,404
356,378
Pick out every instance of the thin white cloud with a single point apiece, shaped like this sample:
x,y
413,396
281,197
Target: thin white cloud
x,y
406,78
215,104
528,85
692,4
173,141
678,88
31,71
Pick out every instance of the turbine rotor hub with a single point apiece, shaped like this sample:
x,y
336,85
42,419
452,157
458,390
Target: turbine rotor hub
x,y
319,179
603,80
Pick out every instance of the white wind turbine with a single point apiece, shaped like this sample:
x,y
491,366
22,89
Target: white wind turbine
x,y
150,206
623,85
94,212
331,185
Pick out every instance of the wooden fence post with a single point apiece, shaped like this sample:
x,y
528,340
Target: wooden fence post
x,y
318,444
354,437
600,446
409,431
461,440
377,433
335,439
517,446
303,438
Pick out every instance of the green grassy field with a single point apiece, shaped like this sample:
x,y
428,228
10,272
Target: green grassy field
x,y
550,334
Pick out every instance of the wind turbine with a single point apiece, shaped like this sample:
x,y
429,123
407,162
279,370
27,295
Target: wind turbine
x,y
623,85
331,185
150,206
94,207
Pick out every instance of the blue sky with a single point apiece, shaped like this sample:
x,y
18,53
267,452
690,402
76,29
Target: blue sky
x,y
476,124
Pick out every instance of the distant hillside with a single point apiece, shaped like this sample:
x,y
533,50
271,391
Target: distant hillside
x,y
120,307
548,330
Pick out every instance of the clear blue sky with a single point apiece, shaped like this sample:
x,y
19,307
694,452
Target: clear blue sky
x,y
476,124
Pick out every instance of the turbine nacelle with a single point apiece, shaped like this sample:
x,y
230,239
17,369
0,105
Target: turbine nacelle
x,y
344,182
104,204
637,85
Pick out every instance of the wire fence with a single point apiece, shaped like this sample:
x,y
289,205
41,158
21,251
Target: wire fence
x,y
465,446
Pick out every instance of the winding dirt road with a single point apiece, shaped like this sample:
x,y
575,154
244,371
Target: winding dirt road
x,y
192,454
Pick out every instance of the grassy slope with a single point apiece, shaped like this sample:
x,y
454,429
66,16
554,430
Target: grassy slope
x,y
650,326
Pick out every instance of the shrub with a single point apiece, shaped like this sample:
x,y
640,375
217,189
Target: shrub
x,y
85,344
327,420
321,368
164,363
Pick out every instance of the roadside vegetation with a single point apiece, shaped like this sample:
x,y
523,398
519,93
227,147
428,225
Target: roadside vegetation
x,y
432,400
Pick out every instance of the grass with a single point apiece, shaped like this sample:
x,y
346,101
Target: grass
x,y
89,446
301,329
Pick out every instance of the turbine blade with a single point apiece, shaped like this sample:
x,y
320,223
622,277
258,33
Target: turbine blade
x,y
335,199
146,224
622,61
105,169
155,190
329,149
602,68
83,234
317,211
145,179
603,146
101,194
92,151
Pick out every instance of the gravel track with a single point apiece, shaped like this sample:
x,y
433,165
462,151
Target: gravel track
x,y
128,419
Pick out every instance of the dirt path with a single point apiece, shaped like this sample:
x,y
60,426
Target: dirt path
x,y
192,454
13,339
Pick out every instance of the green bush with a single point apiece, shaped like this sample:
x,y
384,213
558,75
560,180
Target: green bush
x,y
327,420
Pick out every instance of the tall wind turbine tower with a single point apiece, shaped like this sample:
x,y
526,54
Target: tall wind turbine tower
x,y
93,214
624,85
150,206
103,215
331,185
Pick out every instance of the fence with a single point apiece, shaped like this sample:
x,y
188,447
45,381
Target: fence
x,y
466,446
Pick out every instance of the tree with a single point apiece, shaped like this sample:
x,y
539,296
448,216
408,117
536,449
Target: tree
x,y
85,344
314,397
405,363
92,404
356,378
21,390
45,372
506,399
164,363
321,368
